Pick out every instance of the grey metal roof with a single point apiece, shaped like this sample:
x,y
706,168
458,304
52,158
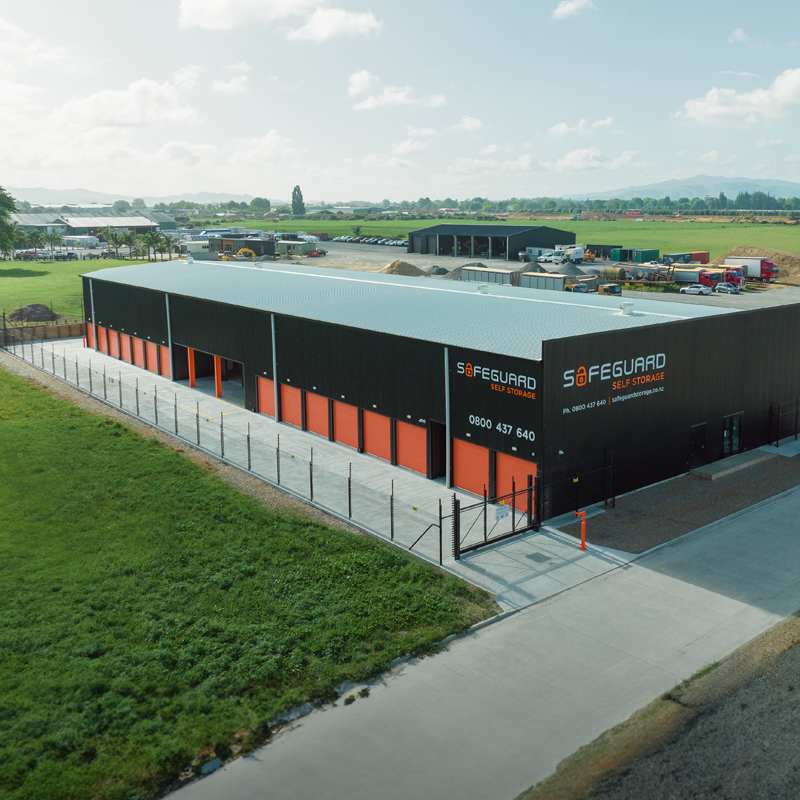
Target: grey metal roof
x,y
451,229
508,320
37,219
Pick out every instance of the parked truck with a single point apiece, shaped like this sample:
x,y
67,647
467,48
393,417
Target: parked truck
x,y
700,275
545,280
755,268
729,274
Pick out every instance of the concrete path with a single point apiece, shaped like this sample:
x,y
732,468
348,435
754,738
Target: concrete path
x,y
496,712
518,571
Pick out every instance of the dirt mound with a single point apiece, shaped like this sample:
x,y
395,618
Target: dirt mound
x,y
534,267
787,262
570,269
403,268
37,312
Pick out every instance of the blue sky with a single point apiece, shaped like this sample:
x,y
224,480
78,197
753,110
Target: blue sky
x,y
372,99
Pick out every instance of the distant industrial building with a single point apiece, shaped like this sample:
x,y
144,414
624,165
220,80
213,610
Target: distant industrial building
x,y
485,241
74,224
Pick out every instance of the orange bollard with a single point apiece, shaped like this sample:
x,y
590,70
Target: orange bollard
x,y
582,515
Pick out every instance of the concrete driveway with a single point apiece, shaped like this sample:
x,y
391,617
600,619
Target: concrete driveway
x,y
496,712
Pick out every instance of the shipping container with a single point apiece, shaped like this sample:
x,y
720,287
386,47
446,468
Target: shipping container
x,y
700,256
677,258
643,256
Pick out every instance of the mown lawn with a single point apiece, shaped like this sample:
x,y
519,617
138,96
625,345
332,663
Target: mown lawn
x,y
668,237
56,282
148,611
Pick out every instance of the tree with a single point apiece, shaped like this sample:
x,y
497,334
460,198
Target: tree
x,y
357,231
131,240
151,239
138,204
298,206
113,237
35,240
7,232
53,239
284,209
121,206
261,203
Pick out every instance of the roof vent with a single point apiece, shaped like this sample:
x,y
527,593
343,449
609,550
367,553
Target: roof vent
x,y
483,288
626,308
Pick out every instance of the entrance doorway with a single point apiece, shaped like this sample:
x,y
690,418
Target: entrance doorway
x,y
698,446
732,435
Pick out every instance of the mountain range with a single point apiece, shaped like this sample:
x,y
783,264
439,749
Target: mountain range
x,y
49,197
698,186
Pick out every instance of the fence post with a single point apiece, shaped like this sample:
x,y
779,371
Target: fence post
x,y
311,474
41,353
137,397
65,363
222,434
796,417
105,386
77,376
778,437
529,498
456,528
391,513
91,388
197,422
155,403
278,457
350,492
485,511
537,500
440,531
176,413
120,388
249,463
53,357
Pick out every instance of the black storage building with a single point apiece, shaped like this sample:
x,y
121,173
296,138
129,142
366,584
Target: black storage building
x,y
485,241
480,385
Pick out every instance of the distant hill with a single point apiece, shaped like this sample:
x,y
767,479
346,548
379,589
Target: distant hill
x,y
698,186
77,196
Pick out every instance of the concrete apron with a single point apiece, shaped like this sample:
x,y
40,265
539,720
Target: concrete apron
x,y
519,571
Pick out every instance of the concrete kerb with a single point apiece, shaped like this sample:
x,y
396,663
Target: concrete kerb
x,y
282,488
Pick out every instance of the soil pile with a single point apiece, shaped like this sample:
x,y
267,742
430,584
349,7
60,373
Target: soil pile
x,y
534,267
36,312
403,268
787,262
570,269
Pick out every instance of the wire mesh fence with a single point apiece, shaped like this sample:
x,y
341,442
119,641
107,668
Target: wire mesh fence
x,y
264,455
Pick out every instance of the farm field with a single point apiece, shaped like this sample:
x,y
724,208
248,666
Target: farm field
x,y
668,237
151,615
56,282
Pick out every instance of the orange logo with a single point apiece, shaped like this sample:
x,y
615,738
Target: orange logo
x,y
580,376
468,370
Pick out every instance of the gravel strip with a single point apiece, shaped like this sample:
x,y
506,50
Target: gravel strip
x,y
668,510
267,495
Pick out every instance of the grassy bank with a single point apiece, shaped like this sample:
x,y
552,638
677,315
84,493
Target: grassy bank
x,y
56,282
668,237
149,612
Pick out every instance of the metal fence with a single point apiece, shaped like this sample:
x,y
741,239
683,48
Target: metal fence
x,y
577,484
265,456
784,420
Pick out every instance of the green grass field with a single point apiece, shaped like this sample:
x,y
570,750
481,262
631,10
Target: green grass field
x,y
148,611
56,282
667,237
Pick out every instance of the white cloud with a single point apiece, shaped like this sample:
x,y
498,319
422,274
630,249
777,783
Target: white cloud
x,y
769,142
187,153
361,83
740,74
394,163
145,103
469,167
578,161
269,147
496,148
603,123
22,49
562,128
225,15
711,157
237,85
738,37
240,66
399,96
186,77
568,8
468,124
412,131
329,23
630,158
409,146
682,153
729,107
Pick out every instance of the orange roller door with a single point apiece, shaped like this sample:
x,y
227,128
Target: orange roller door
x,y
378,435
138,351
125,347
345,423
412,447
291,405
102,339
508,467
165,368
152,356
113,343
90,335
317,414
470,466
266,397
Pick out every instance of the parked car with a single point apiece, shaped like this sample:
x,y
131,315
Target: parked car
x,y
609,288
523,256
580,288
726,288
696,288
546,259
